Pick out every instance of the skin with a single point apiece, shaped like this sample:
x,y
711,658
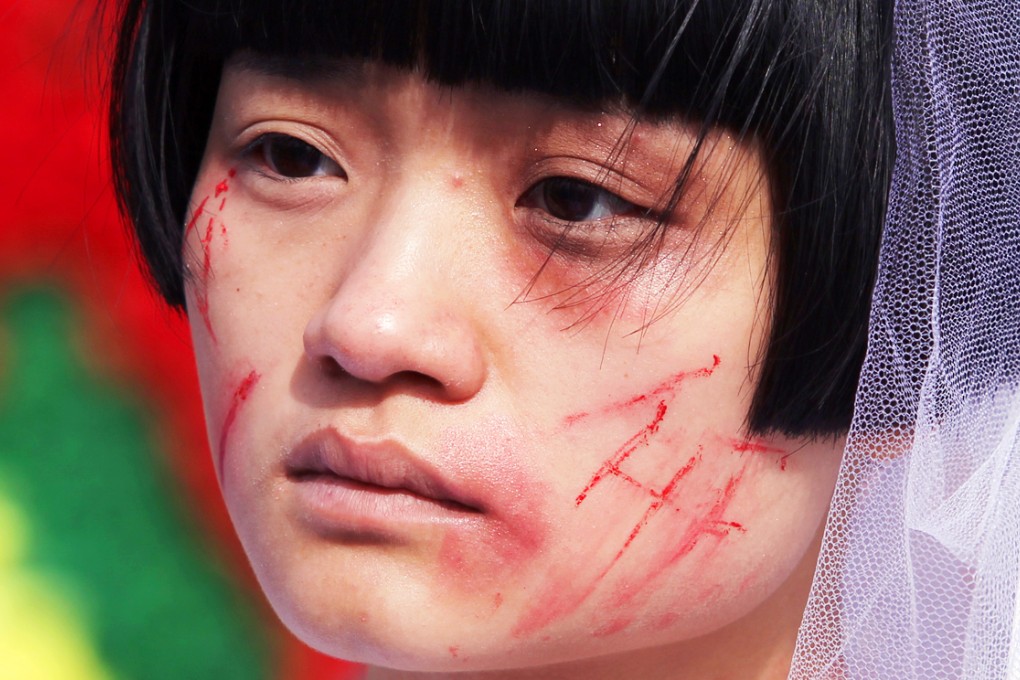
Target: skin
x,y
406,295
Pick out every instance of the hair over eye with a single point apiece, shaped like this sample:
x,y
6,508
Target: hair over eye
x,y
292,158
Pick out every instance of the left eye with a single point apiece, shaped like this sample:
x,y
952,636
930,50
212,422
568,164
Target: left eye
x,y
293,158
573,200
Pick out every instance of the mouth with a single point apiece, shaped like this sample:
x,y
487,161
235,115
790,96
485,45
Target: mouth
x,y
342,485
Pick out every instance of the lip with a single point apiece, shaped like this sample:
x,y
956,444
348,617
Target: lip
x,y
345,487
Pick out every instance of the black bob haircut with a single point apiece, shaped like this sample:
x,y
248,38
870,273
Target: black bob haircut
x,y
807,79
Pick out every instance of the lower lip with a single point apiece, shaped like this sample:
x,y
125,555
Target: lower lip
x,y
339,507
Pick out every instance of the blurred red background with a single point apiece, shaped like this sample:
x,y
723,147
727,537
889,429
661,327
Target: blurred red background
x,y
60,232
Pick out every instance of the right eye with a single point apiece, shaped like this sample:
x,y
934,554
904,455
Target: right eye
x,y
293,158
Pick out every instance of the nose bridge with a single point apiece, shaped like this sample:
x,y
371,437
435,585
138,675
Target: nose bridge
x,y
409,245
399,308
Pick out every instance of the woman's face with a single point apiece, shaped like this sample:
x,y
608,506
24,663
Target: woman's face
x,y
460,420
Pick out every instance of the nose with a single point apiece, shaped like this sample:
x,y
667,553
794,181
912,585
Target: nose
x,y
397,314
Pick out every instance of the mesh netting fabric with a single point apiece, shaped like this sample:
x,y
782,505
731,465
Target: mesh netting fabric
x,y
918,575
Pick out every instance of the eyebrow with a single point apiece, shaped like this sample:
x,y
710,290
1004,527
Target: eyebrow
x,y
292,67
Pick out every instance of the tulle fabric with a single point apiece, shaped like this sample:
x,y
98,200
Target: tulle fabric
x,y
918,574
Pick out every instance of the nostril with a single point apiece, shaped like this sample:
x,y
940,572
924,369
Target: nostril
x,y
331,368
416,379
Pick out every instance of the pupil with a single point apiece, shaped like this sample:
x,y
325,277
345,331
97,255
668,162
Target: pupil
x,y
569,200
291,157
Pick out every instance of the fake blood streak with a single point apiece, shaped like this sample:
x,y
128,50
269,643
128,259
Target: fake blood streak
x,y
562,603
240,396
206,240
749,446
611,467
710,524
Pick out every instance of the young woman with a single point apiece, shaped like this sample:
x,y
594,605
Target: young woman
x,y
528,333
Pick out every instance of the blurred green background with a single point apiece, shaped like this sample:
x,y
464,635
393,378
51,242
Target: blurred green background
x,y
116,555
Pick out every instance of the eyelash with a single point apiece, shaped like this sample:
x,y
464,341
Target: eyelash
x,y
558,196
563,205
267,151
618,222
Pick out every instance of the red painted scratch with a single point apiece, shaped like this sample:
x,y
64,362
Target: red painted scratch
x,y
662,497
206,240
712,523
201,294
564,596
612,465
223,186
667,388
754,446
199,211
240,396
614,626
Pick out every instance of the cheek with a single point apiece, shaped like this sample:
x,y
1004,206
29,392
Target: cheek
x,y
473,562
205,235
674,523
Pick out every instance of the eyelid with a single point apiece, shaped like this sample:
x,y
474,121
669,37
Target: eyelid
x,y
648,199
527,199
248,139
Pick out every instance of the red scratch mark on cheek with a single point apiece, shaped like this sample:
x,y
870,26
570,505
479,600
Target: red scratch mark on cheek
x,y
201,294
240,396
711,523
751,446
575,418
665,390
224,185
562,599
206,241
666,620
662,498
454,650
614,626
199,211
612,465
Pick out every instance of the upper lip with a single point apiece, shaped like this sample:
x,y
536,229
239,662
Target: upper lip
x,y
382,463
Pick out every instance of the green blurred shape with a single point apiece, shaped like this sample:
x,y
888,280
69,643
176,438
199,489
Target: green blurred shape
x,y
77,454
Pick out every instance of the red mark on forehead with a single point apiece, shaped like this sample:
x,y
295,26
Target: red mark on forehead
x,y
240,396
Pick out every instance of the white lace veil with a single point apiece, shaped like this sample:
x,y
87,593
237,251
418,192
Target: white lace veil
x,y
918,575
